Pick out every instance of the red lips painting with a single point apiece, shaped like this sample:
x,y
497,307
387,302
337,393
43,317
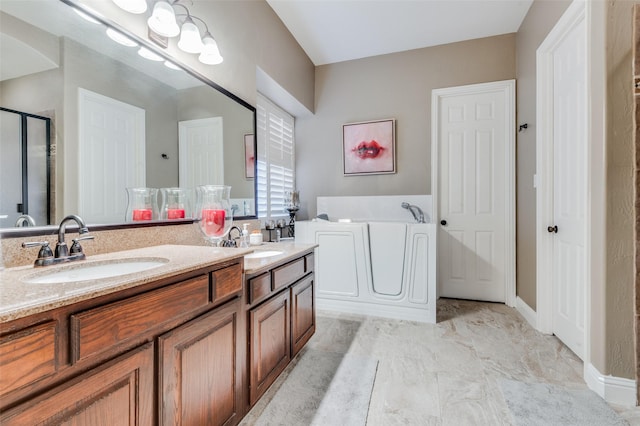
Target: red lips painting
x,y
369,147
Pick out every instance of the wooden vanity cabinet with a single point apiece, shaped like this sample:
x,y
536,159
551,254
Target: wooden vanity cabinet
x,y
281,319
165,352
120,392
199,378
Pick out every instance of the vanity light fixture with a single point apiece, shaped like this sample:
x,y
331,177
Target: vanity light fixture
x,y
120,38
163,24
190,40
163,20
210,53
132,6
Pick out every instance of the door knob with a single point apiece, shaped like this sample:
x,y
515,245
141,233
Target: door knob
x,y
443,222
553,229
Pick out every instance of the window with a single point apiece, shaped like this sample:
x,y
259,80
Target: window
x,y
276,158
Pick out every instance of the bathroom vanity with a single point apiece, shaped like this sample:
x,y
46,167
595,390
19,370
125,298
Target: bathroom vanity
x,y
167,345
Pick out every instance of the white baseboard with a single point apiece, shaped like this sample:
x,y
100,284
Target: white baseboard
x,y
615,390
529,314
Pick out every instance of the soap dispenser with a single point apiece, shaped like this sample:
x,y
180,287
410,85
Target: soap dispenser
x,y
244,240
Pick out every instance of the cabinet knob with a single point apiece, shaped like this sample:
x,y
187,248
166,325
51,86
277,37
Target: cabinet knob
x,y
443,222
553,229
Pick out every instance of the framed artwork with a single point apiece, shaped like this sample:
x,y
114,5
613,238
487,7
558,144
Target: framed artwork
x,y
369,147
249,156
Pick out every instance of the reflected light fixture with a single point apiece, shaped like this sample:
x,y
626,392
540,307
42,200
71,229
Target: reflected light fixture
x,y
171,65
132,6
85,16
147,54
120,38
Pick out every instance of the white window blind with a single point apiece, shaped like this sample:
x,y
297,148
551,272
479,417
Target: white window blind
x,y
276,157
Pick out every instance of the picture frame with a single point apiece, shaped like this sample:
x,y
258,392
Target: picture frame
x,y
369,147
249,156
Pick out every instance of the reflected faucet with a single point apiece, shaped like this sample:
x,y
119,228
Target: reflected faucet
x,y
25,220
416,211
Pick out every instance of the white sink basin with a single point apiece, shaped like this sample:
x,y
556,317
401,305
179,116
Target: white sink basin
x,y
261,254
94,271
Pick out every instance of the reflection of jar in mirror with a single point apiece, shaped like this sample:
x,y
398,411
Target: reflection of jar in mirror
x,y
142,205
176,203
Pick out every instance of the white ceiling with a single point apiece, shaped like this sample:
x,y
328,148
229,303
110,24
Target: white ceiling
x,y
332,31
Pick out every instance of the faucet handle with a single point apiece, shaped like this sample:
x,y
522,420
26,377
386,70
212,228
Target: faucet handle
x,y
76,248
45,251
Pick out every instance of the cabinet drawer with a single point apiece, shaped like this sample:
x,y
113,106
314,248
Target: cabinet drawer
x,y
259,287
98,329
27,356
225,282
287,274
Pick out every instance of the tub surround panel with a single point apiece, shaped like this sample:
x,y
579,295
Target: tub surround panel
x,y
374,208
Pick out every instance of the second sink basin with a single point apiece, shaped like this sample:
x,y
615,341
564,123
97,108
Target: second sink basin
x,y
94,271
261,254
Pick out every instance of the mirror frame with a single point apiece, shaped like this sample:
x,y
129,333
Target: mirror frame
x,y
51,229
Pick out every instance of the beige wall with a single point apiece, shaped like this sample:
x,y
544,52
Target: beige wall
x,y
542,16
396,86
620,350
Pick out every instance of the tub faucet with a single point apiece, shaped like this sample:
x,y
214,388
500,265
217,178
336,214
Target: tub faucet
x,y
416,211
25,220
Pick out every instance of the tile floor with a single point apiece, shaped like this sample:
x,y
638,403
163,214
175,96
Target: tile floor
x,y
447,373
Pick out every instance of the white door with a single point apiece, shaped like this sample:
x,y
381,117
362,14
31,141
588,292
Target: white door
x,y
111,156
566,184
201,152
475,156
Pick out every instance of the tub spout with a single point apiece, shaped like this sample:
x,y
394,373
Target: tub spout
x,y
416,211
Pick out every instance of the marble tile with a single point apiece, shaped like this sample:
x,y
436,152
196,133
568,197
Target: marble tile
x,y
448,373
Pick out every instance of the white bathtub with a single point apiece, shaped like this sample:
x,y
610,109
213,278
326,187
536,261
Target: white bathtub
x,y
376,268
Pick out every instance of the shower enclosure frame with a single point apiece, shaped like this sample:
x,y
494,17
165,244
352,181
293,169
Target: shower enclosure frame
x,y
24,138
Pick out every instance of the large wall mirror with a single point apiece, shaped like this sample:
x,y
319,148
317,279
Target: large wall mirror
x,y
65,83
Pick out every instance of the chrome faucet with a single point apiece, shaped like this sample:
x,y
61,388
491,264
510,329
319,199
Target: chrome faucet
x,y
416,211
62,254
25,220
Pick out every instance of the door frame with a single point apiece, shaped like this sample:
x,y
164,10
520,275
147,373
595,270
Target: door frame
x,y
571,19
508,88
593,14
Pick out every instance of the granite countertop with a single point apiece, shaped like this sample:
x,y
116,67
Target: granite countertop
x,y
290,250
19,299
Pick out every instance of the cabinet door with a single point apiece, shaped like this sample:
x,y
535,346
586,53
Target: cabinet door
x,y
120,392
303,313
200,370
269,351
